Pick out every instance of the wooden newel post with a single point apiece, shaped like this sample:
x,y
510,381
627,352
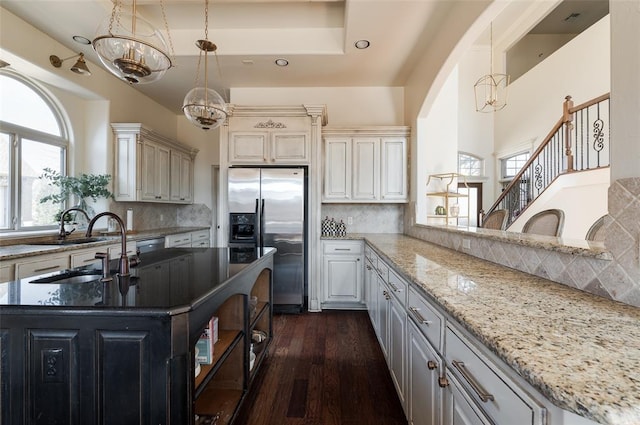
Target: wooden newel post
x,y
567,119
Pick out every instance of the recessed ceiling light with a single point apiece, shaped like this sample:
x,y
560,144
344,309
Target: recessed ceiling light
x,y
282,62
82,40
362,44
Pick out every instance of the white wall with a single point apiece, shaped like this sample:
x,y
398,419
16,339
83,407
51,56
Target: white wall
x,y
582,196
581,68
346,106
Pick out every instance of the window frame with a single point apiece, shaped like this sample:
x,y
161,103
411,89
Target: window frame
x,y
17,134
475,157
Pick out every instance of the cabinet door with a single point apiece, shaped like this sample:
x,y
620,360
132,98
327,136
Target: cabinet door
x,y
289,148
155,172
397,347
366,169
342,278
424,396
458,409
248,147
124,180
393,179
181,178
337,172
383,298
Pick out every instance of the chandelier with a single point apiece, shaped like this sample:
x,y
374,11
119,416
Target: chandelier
x,y
203,106
491,89
130,47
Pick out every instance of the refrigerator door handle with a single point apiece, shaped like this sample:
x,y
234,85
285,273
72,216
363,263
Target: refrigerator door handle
x,y
262,225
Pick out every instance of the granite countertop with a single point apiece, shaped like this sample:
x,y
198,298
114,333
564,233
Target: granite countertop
x,y
579,350
22,250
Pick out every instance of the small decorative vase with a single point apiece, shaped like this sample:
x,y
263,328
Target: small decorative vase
x,y
341,229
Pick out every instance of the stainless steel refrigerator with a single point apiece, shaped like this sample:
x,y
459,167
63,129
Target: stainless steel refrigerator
x,y
268,207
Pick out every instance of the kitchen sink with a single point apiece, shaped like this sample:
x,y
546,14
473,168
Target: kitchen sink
x,y
73,241
71,276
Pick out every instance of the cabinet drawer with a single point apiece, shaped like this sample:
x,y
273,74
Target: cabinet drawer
x,y
429,321
45,265
499,397
86,258
180,239
116,250
342,247
199,236
383,270
398,287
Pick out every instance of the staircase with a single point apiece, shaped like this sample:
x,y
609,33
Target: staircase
x,y
578,142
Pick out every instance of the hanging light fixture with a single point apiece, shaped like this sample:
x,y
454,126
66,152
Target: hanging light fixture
x,y
491,89
80,67
130,47
203,106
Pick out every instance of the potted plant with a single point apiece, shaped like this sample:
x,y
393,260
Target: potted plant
x,y
84,186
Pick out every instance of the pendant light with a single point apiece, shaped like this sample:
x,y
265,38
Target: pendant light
x,y
203,106
130,47
491,89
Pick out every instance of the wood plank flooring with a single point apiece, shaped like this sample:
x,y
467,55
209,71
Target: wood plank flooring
x,y
323,369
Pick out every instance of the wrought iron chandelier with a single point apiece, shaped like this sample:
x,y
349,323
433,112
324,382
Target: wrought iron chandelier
x,y
491,89
203,106
131,48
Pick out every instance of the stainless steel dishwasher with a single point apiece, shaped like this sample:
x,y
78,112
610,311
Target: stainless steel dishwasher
x,y
150,245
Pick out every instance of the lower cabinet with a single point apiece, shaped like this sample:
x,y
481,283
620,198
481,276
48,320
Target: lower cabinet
x,y
442,374
342,274
424,367
196,239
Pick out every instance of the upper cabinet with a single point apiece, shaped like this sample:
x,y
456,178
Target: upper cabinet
x,y
271,135
366,165
150,167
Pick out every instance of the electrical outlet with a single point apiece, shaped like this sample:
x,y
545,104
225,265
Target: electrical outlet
x,y
349,220
466,244
52,365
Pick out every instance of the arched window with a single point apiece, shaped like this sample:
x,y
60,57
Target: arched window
x,y
32,137
470,165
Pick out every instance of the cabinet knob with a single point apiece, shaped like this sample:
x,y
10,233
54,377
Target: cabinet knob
x,y
443,382
432,365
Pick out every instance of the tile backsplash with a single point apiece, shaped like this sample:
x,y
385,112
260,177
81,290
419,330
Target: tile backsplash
x,y
367,218
148,216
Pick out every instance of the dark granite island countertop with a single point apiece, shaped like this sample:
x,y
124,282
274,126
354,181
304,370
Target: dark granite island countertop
x,y
120,352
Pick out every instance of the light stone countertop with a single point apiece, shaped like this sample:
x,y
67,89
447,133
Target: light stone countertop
x,y
579,350
25,249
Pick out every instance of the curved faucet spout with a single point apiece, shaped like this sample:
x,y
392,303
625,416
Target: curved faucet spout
x,y
124,259
63,233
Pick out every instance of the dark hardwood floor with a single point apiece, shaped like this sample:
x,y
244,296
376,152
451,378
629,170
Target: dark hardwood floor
x,y
323,369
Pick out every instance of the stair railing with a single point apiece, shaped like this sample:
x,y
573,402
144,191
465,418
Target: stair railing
x,y
578,141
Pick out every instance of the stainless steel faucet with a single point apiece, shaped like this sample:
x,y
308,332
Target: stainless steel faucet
x,y
123,269
63,233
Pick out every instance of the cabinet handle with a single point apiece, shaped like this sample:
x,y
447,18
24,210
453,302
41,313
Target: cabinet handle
x,y
343,249
443,382
47,268
395,287
484,395
368,267
431,365
419,317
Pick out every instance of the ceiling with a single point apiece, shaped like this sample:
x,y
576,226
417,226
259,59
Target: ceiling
x,y
316,36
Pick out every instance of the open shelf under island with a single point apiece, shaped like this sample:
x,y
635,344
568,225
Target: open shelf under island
x,y
123,352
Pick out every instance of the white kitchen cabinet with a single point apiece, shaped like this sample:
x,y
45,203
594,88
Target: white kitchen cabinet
x,y
366,165
155,172
370,282
200,239
41,264
115,250
397,323
342,274
458,409
6,272
149,167
181,175
424,367
269,147
337,169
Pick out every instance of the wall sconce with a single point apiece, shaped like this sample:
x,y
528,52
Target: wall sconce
x,y
80,67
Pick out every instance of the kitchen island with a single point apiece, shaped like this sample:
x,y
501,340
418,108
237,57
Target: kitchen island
x,y
122,352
